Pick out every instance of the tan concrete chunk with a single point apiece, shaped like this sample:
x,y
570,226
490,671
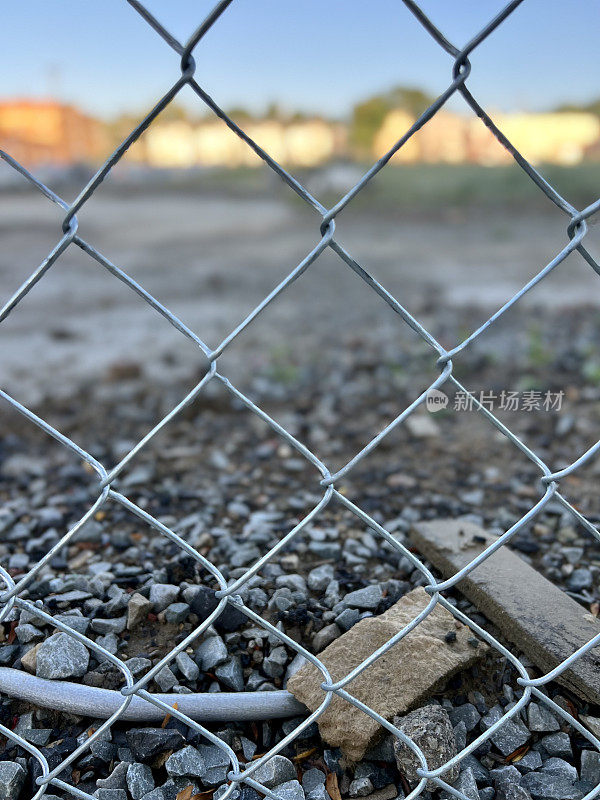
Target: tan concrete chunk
x,y
401,679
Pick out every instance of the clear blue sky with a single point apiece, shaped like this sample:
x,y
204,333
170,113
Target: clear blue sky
x,y
312,55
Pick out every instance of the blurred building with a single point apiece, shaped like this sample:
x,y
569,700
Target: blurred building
x,y
559,138
48,132
555,138
304,143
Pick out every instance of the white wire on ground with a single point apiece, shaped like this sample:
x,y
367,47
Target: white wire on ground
x,y
89,701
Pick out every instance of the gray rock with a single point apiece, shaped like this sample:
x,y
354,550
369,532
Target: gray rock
x,y
480,773
325,637
231,675
291,790
187,666
109,625
590,767
12,778
282,600
430,729
511,791
540,719
294,582
504,776
275,771
77,622
383,750
177,612
186,762
319,578
558,766
162,595
103,749
249,793
467,784
117,778
531,761
38,736
18,561
244,554
109,642
61,656
366,599
173,786
248,748
326,550
347,618
546,786
210,653
111,794
165,679
319,793
332,594
257,599
137,665
28,633
511,735
274,664
466,713
139,780
312,780
556,744
217,765
146,743
154,794
579,579
460,736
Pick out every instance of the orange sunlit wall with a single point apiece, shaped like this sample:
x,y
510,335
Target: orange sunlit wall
x,y
45,131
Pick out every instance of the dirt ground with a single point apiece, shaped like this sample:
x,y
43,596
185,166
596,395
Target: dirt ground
x,y
210,257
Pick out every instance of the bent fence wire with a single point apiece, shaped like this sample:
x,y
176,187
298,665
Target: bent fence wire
x,y
12,594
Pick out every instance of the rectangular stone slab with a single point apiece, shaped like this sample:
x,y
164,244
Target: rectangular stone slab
x,y
533,613
401,679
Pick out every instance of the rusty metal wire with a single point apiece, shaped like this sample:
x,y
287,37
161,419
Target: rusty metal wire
x,y
11,596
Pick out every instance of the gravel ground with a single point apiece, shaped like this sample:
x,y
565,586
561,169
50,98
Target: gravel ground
x,y
231,488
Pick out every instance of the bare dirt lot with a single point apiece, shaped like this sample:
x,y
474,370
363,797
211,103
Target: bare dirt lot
x,y
211,256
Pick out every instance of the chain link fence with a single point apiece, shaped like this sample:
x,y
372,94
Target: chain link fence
x,y
228,593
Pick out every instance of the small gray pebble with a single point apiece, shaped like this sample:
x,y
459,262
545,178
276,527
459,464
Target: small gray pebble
x,y
186,762
12,778
139,780
275,771
365,599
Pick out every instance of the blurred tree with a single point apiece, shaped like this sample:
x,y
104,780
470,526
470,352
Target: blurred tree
x,y
368,116
592,108
175,112
238,113
273,111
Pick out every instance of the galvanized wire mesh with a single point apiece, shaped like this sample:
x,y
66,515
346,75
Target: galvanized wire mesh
x,y
228,593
